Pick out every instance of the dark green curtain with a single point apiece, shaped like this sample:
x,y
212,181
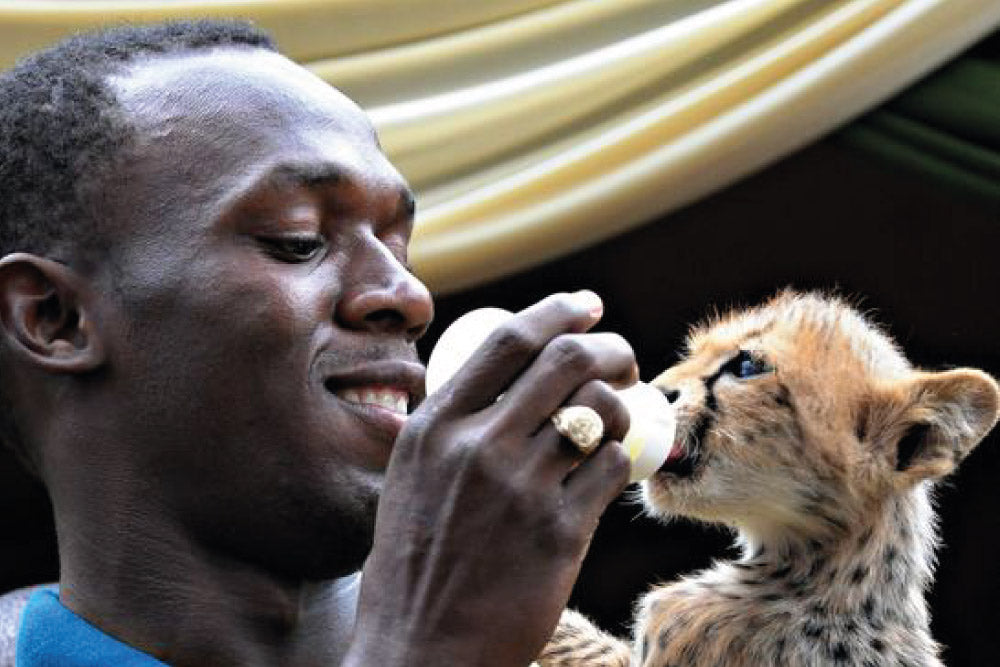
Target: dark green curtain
x,y
945,128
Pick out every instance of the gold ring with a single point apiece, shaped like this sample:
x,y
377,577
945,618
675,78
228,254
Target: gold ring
x,y
580,425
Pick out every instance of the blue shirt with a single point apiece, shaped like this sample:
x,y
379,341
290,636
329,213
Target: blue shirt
x,y
53,636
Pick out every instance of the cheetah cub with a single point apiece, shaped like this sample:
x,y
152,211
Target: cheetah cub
x,y
803,427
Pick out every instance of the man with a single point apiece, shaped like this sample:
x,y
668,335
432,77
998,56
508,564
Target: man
x,y
207,354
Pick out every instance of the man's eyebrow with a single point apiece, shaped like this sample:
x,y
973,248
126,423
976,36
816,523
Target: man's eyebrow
x,y
320,174
306,174
329,173
407,203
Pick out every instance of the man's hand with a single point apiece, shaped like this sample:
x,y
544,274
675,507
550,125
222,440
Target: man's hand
x,y
486,512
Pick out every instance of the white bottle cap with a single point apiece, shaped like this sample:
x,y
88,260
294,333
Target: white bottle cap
x,y
651,435
459,341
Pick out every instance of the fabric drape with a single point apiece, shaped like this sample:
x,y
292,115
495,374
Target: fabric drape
x,y
946,128
532,128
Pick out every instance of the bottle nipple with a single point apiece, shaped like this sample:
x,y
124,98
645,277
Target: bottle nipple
x,y
650,437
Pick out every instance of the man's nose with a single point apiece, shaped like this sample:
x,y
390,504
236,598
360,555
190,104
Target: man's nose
x,y
386,298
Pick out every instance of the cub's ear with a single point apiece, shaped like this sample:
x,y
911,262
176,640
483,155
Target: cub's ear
x,y
947,415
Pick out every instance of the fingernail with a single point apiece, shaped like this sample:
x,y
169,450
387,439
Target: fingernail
x,y
591,302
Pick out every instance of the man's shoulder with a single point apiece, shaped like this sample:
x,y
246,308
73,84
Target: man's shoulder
x,y
12,605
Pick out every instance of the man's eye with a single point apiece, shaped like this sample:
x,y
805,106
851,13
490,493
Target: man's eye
x,y
747,365
293,249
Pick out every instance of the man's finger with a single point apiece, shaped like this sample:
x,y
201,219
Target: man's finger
x,y
562,368
598,480
554,454
514,345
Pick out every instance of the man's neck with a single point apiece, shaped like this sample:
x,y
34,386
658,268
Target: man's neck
x,y
187,607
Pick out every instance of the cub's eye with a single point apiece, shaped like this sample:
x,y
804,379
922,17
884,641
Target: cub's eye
x,y
293,248
747,365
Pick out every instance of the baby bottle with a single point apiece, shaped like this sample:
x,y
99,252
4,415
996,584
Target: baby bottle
x,y
650,437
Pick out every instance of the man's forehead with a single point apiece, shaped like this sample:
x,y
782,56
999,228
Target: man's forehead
x,y
214,127
238,85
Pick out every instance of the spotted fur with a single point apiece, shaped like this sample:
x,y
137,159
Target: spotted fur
x,y
823,460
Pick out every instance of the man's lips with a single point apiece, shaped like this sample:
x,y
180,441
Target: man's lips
x,y
389,384
393,399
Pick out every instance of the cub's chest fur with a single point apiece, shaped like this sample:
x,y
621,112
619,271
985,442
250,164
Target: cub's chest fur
x,y
807,431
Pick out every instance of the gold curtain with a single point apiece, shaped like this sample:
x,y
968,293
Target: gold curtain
x,y
532,128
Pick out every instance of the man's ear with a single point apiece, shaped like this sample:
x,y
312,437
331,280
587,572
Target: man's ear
x,y
45,315
945,415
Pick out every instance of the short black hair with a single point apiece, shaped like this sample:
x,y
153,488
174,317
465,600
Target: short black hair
x,y
60,123
61,127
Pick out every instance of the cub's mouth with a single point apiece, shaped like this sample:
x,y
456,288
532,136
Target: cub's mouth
x,y
686,457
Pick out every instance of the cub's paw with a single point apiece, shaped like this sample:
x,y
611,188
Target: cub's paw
x,y
579,643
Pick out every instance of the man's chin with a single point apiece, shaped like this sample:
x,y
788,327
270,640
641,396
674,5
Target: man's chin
x,y
310,536
330,555
345,543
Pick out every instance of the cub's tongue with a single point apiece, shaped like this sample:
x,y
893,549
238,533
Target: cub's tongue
x,y
680,462
676,453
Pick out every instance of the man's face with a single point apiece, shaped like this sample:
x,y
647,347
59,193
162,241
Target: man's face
x,y
262,319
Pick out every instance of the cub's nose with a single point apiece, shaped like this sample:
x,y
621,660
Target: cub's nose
x,y
671,394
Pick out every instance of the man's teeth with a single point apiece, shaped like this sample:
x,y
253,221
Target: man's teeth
x,y
391,399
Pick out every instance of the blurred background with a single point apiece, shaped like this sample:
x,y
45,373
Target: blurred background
x,y
675,157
